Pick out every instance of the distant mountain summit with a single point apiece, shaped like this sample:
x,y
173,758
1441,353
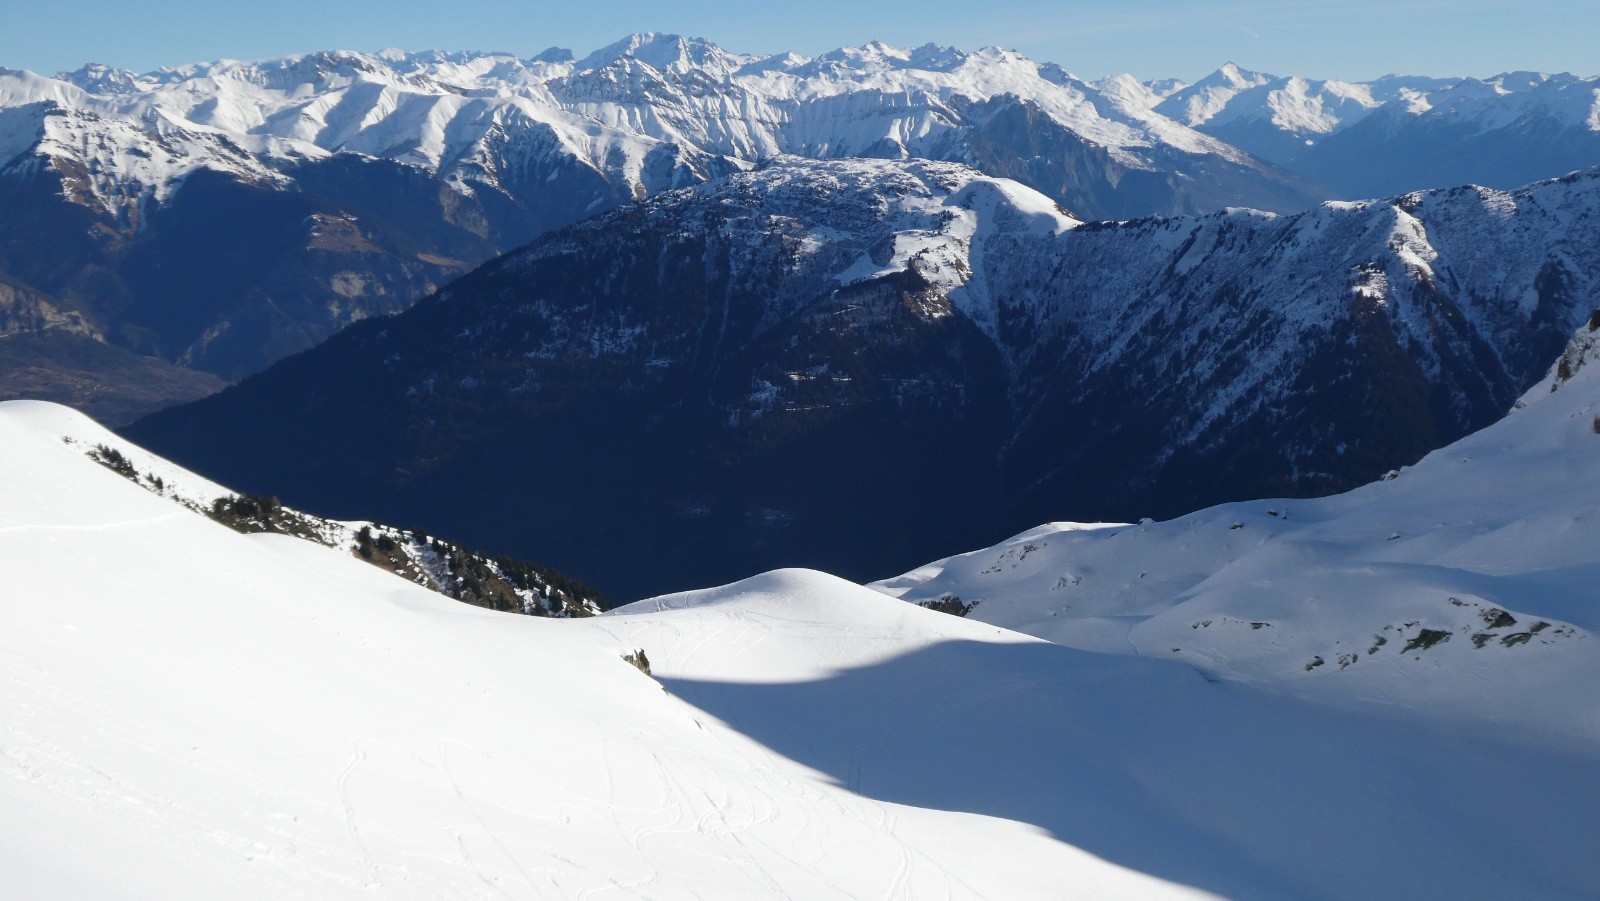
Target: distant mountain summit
x,y
1401,133
610,111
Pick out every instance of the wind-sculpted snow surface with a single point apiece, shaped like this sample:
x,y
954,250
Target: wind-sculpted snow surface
x,y
194,713
862,358
1457,590
1140,762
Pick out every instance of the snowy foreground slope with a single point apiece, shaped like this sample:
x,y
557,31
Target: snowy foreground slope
x,y
188,712
1460,590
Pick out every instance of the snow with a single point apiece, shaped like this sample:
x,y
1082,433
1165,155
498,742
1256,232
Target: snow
x,y
1139,93
1198,103
1255,593
467,116
943,235
189,712
1518,97
1084,300
1301,107
648,92
192,713
1238,104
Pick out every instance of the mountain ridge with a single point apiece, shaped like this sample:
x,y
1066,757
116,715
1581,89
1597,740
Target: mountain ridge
x,y
1400,133
371,179
720,335
377,177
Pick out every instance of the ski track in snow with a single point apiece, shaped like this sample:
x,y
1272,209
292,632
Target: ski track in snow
x,y
486,830
358,756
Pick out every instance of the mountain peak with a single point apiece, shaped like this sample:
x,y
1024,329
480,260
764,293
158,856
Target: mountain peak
x,y
1141,94
553,55
667,53
1233,75
19,87
97,78
1513,82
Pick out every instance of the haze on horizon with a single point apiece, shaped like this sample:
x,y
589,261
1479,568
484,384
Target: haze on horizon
x,y
1347,39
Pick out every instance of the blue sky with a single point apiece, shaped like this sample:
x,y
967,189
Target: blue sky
x,y
1350,39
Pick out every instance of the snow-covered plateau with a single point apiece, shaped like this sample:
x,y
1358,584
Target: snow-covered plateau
x,y
191,712
188,712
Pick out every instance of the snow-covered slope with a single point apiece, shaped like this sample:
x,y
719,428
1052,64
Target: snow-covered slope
x,y
370,179
1140,93
1202,101
193,713
497,583
1460,589
190,712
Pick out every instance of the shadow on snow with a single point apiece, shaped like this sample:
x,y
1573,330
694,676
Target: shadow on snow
x,y
1149,766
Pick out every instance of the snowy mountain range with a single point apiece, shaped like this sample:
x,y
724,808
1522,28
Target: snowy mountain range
x,y
1357,695
647,113
1398,133
369,180
821,363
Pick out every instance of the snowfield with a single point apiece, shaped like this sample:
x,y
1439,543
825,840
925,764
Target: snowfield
x,y
190,712
1459,591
